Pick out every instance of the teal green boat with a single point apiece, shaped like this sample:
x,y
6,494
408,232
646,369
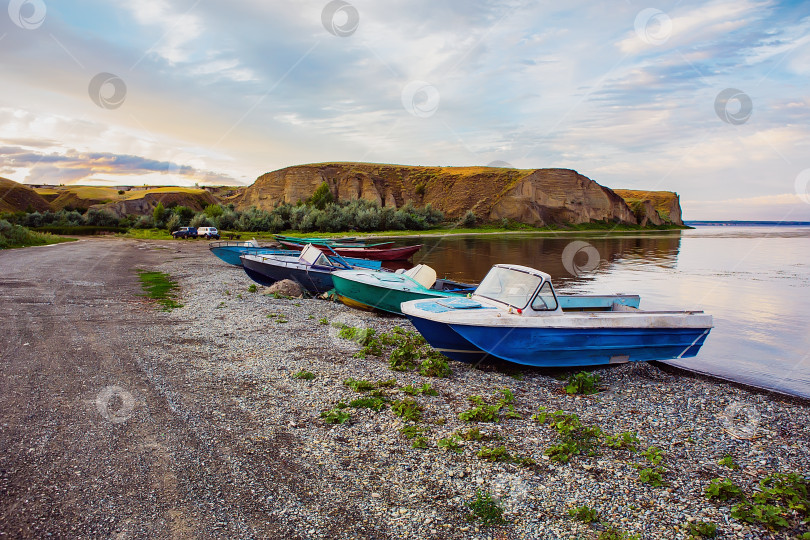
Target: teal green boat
x,y
368,289
296,242
386,291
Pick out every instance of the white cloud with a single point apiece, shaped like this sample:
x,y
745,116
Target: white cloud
x,y
698,24
178,29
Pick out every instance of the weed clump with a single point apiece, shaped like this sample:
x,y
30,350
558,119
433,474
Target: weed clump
x,y
407,409
585,514
359,385
373,403
485,412
485,509
701,529
304,375
582,383
722,489
335,416
451,444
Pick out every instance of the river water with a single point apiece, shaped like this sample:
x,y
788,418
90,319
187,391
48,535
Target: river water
x,y
754,280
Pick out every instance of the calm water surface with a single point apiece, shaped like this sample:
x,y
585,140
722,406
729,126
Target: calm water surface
x,y
755,281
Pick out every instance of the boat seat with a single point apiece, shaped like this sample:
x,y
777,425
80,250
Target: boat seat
x,y
423,275
253,242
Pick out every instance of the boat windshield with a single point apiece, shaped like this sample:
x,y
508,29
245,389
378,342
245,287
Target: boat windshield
x,y
509,286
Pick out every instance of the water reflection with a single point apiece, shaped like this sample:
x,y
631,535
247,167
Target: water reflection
x,y
468,258
753,280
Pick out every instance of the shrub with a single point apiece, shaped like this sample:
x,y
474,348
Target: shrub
x,y
173,223
158,215
468,220
321,197
201,220
213,211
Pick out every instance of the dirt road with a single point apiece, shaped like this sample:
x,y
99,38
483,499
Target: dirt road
x,y
88,446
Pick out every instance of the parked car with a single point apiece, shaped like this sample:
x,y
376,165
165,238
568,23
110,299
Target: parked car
x,y
185,232
208,232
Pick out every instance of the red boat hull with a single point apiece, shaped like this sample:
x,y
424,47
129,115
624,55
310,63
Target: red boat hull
x,y
377,254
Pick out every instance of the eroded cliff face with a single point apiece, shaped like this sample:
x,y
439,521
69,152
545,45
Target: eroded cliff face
x,y
145,205
537,197
653,207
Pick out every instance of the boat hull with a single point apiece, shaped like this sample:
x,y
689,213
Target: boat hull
x,y
231,254
445,340
464,332
314,279
379,297
564,347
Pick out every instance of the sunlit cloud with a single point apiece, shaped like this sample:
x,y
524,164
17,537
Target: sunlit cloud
x,y
223,92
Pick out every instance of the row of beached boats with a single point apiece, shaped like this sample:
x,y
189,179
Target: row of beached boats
x,y
514,314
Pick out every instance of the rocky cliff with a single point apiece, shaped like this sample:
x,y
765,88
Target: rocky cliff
x,y
537,197
653,207
144,202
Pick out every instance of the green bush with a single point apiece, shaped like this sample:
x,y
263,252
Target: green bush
x,y
12,236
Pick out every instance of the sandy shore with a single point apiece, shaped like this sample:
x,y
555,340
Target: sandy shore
x,y
257,460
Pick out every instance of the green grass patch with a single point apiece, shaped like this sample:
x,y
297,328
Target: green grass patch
x,y
17,236
148,234
80,230
160,287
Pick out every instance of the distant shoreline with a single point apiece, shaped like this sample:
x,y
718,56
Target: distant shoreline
x,y
734,222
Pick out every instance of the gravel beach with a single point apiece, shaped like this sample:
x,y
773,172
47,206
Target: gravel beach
x,y
247,454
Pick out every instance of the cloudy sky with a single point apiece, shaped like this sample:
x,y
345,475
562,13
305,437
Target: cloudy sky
x,y
709,99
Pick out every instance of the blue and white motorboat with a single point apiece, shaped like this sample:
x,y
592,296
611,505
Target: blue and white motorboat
x,y
515,315
230,251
